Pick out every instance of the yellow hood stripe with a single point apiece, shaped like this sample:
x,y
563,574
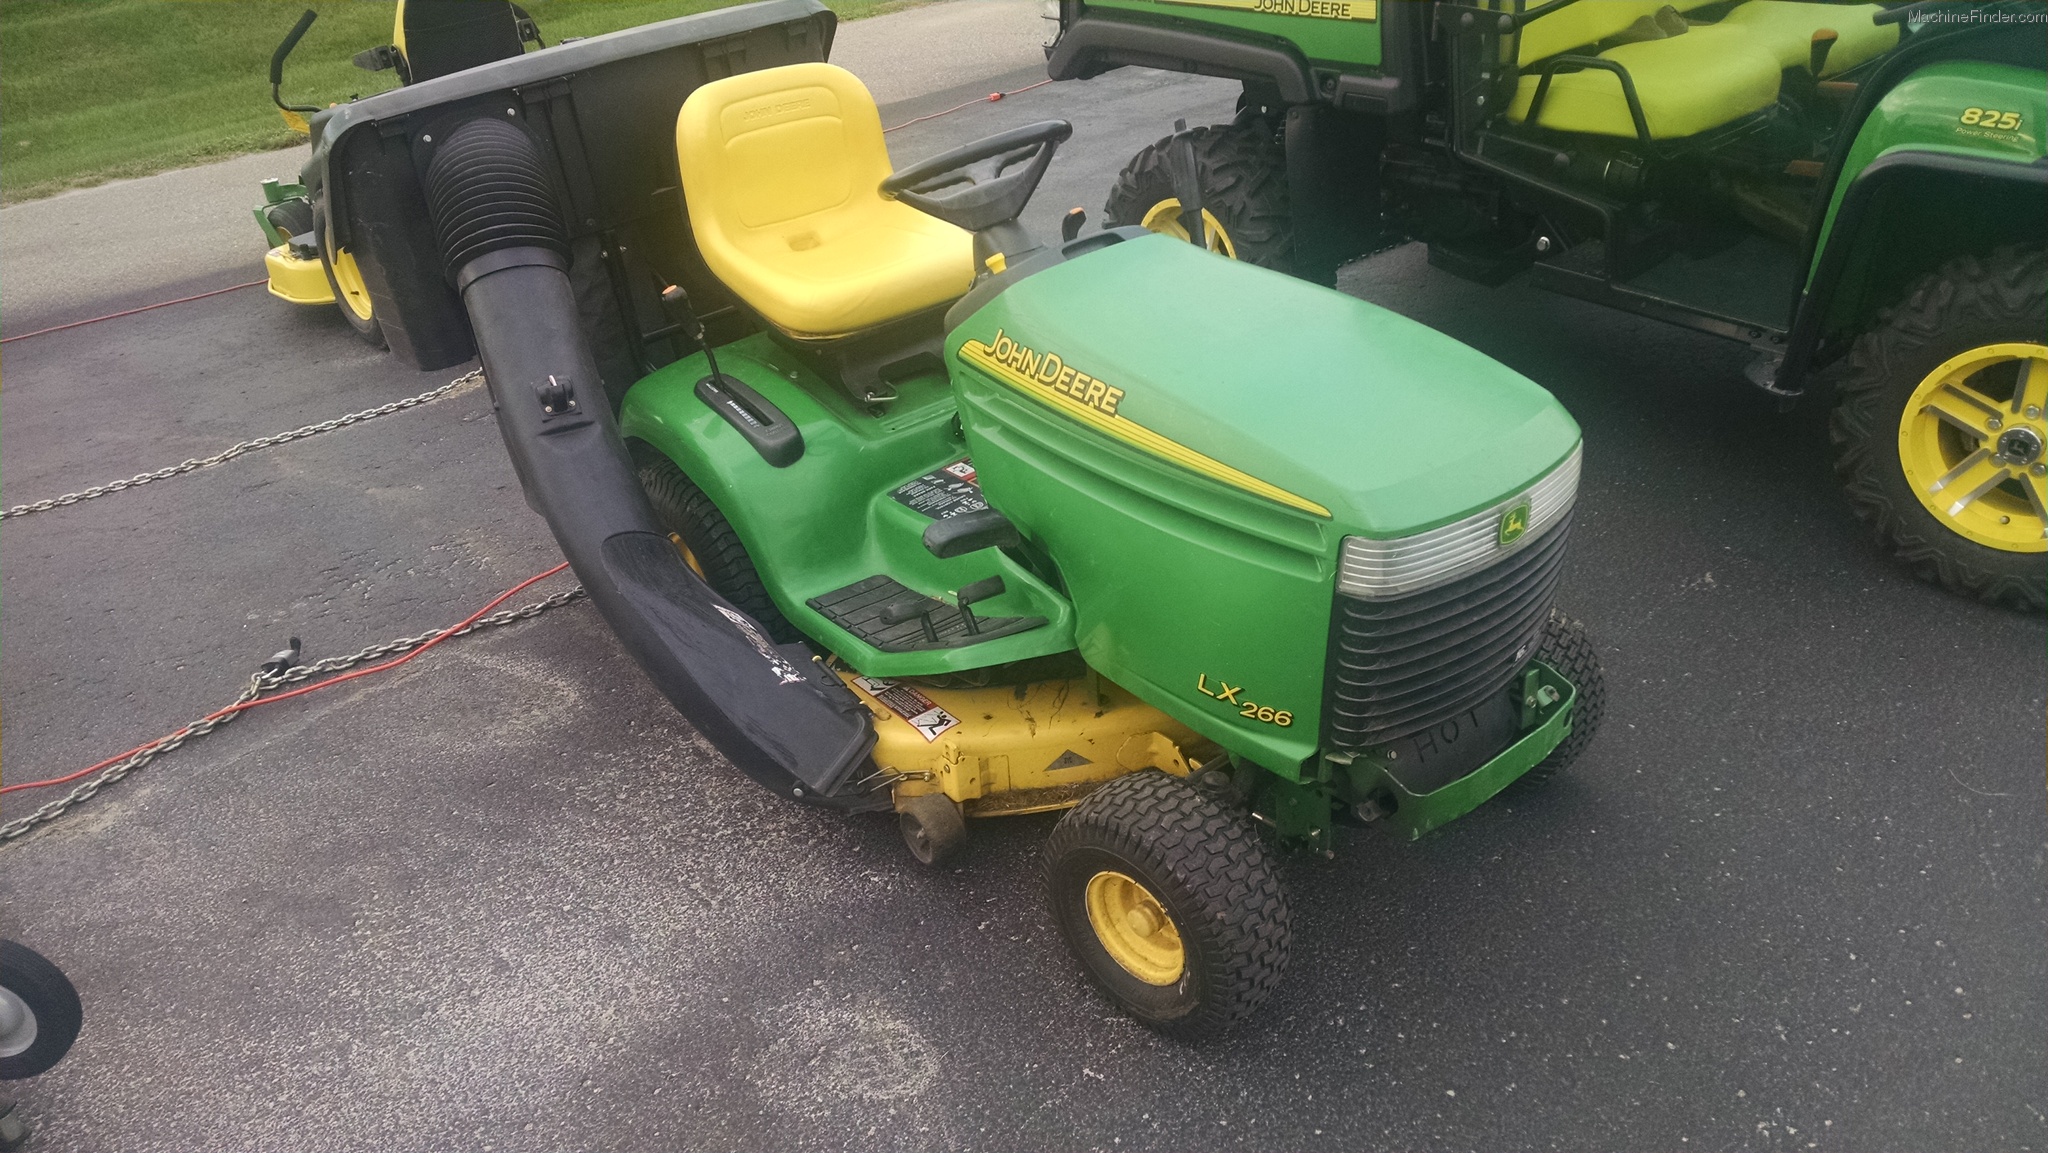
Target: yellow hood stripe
x,y
1137,435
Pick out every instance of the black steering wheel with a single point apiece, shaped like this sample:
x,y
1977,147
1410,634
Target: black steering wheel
x,y
1020,156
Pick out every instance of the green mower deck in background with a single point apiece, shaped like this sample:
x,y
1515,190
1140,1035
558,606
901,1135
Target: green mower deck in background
x,y
911,513
1854,191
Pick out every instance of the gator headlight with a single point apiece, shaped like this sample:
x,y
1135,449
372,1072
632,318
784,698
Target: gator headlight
x,y
1377,570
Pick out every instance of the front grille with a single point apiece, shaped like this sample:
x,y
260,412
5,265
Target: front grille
x,y
1399,666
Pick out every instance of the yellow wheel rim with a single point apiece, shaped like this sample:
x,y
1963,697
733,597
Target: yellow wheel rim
x,y
1973,443
689,558
355,295
1134,928
1164,218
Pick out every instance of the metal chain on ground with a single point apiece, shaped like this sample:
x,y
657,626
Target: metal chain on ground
x,y
247,446
259,684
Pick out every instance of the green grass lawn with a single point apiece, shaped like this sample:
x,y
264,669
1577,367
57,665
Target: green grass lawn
x,y
93,90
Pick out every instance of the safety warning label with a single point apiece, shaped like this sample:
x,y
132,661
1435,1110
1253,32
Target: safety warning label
x,y
919,711
948,492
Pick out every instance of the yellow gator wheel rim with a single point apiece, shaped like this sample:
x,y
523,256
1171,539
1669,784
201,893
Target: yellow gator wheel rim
x,y
1164,218
1973,443
1134,928
355,295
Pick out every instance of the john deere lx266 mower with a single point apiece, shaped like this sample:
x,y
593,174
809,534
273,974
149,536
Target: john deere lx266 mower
x,y
909,513
1855,191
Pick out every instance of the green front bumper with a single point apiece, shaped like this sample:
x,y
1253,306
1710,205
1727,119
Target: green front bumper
x,y
1418,813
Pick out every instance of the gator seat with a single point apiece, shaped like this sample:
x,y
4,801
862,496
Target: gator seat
x,y
1786,29
781,170
1687,84
1579,26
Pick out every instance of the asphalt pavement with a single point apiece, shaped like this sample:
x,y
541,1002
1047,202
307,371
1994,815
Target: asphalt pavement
x,y
505,899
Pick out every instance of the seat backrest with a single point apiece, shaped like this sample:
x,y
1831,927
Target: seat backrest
x,y
777,151
438,37
1586,22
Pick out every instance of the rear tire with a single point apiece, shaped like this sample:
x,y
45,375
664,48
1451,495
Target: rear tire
x,y
1970,304
709,544
40,1013
1243,177
1151,870
345,279
1567,648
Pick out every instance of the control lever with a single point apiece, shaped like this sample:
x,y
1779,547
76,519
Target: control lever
x,y
896,612
1817,53
1070,225
980,590
970,532
756,418
291,41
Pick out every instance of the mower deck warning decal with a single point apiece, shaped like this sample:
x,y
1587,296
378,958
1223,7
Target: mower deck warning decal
x,y
945,492
919,711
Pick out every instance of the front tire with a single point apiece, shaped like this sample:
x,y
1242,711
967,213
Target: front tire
x,y
1243,177
1170,902
1940,437
40,1013
1568,648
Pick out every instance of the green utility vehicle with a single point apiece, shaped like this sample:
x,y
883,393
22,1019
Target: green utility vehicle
x,y
911,513
1858,188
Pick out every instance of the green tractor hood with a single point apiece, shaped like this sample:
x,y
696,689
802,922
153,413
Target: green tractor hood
x,y
1268,384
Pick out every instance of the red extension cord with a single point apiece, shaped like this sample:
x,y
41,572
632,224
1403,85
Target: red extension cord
x,y
243,706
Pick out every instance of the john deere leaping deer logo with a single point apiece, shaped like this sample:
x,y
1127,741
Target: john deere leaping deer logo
x,y
1514,522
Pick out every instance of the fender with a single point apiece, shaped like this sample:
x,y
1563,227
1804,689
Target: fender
x,y
1889,194
1091,46
1915,180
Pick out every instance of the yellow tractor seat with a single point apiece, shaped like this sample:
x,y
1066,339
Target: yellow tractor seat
x,y
1687,84
780,170
1786,30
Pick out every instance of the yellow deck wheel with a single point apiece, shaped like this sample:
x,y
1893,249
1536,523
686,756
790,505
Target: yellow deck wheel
x,y
1135,928
1973,443
1164,218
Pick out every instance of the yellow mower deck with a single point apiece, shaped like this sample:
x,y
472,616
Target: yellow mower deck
x,y
296,280
1014,749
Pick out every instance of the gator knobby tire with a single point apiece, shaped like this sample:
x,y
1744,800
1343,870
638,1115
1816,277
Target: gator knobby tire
x,y
683,509
1206,865
1243,176
50,999
1969,302
1567,648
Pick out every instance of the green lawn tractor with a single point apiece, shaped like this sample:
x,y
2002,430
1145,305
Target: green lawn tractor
x,y
909,513
429,38
1856,188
